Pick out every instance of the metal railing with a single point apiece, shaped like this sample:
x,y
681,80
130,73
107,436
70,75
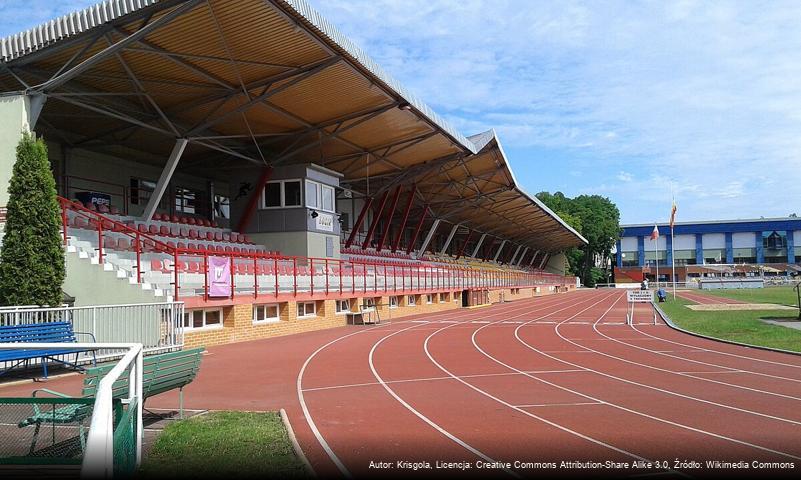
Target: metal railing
x,y
263,274
99,455
157,326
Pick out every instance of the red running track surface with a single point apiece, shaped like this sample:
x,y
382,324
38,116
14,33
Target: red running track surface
x,y
546,379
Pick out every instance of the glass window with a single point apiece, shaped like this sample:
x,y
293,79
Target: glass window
x,y
265,313
343,306
411,300
312,193
306,309
185,200
393,302
292,193
202,318
429,298
222,206
328,198
272,194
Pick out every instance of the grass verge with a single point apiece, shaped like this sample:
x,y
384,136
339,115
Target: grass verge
x,y
779,295
738,326
224,444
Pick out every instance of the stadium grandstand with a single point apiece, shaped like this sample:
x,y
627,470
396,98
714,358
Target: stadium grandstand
x,y
247,159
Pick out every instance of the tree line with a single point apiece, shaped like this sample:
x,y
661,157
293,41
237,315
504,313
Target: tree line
x,y
597,219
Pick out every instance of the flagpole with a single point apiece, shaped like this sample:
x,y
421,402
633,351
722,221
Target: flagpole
x,y
656,259
672,261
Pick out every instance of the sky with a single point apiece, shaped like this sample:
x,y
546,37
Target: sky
x,y
635,101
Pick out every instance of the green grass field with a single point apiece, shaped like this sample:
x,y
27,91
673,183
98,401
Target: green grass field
x,y
779,295
224,444
738,326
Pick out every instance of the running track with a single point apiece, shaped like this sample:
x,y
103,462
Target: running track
x,y
544,379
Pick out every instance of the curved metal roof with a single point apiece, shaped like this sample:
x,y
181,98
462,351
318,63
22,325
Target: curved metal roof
x,y
266,82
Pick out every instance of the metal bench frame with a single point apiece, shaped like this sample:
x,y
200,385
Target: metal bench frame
x,y
25,356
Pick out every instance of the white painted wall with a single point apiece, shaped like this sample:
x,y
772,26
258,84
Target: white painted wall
x,y
684,242
714,240
628,244
661,243
14,112
743,240
797,238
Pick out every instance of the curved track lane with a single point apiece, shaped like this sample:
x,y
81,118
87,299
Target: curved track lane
x,y
544,379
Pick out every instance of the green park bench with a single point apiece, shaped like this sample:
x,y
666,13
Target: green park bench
x,y
160,373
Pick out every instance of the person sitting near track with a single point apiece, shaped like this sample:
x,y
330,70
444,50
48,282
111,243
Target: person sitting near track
x,y
644,284
661,294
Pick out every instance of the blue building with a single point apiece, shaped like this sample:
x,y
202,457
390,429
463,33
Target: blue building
x,y
725,247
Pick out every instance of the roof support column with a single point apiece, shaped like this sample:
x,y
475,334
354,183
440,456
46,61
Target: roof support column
x,y
374,223
410,247
164,179
405,219
522,256
531,263
514,255
478,245
498,253
253,201
450,238
356,226
464,245
428,237
544,259
389,219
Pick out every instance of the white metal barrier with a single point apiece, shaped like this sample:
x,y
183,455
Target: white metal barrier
x,y
98,460
157,326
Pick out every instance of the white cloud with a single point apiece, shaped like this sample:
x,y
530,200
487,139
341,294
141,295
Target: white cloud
x,y
703,92
624,176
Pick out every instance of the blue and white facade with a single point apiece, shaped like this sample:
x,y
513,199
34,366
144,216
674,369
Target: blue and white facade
x,y
775,242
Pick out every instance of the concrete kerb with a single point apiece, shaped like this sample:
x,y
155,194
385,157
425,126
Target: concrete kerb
x,y
295,445
672,325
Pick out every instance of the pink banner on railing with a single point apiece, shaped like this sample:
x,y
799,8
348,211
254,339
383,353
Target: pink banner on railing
x,y
219,277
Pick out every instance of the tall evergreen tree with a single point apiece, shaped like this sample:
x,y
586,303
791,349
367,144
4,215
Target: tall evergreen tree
x,y
32,258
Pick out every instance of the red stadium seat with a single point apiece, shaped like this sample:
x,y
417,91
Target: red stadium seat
x,y
142,228
193,234
109,243
123,244
175,231
184,232
226,237
191,221
228,249
171,244
218,236
164,231
183,219
79,222
91,206
102,208
156,266
234,237
210,236
194,267
153,230
174,219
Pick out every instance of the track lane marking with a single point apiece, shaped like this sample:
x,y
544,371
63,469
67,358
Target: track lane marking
x,y
669,422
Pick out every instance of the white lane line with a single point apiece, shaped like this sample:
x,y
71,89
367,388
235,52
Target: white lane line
x,y
669,422
525,412
419,415
547,303
532,405
428,379
717,371
687,375
702,350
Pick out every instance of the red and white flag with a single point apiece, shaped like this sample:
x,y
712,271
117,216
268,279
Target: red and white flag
x,y
655,233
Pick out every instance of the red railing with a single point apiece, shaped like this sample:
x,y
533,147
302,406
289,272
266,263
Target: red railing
x,y
265,275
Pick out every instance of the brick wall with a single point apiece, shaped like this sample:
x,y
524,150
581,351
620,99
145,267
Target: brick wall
x,y
238,324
